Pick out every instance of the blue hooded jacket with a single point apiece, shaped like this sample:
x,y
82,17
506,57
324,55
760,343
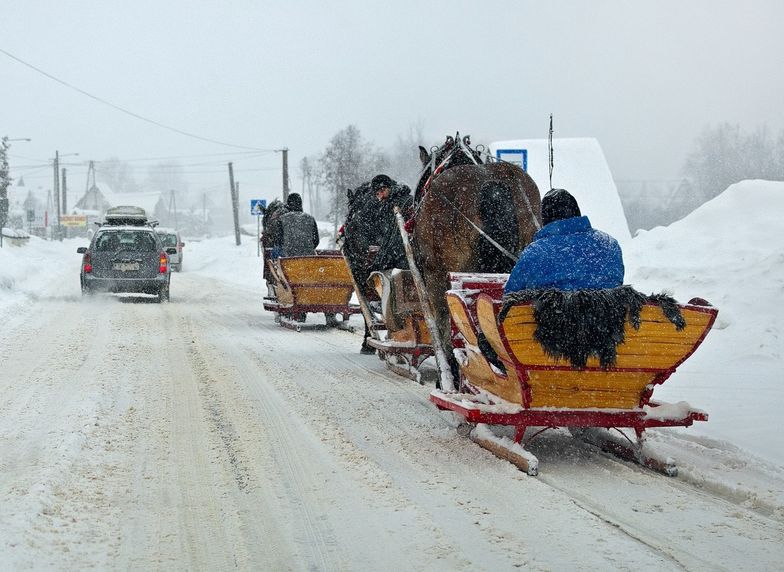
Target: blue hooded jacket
x,y
568,254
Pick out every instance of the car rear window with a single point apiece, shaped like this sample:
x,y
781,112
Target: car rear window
x,y
168,239
119,240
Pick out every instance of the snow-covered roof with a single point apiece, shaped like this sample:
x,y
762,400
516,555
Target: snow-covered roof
x,y
579,167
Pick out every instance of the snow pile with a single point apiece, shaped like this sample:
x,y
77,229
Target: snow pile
x,y
730,252
26,271
581,169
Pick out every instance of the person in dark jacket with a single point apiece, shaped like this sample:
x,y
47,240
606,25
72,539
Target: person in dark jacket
x,y
567,253
297,232
391,253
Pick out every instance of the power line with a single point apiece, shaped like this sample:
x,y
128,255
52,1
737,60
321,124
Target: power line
x,y
247,155
123,110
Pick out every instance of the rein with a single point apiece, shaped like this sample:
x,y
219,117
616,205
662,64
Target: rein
x,y
487,237
461,146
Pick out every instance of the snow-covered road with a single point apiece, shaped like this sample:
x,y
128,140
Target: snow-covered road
x,y
199,435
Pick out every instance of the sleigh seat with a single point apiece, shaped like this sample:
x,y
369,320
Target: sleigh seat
x,y
509,379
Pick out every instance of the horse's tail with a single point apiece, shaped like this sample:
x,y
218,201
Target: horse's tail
x,y
499,220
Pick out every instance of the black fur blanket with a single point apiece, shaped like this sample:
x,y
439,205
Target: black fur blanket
x,y
580,324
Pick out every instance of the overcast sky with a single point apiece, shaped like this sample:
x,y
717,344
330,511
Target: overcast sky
x,y
644,78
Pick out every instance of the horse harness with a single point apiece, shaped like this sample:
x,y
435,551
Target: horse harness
x,y
468,152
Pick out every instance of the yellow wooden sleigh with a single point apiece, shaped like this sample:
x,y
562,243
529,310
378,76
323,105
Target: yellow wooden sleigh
x,y
528,388
407,342
311,284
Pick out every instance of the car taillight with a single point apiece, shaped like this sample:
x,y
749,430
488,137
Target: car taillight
x,y
86,264
164,264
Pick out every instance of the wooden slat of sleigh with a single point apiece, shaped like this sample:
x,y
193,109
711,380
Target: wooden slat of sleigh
x,y
584,389
316,270
316,280
656,347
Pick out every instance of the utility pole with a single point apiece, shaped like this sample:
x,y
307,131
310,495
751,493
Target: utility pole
x,y
173,206
235,205
56,192
285,152
65,192
65,200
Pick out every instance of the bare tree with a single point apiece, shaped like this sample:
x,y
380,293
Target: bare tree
x,y
118,174
309,189
348,161
167,176
404,164
724,155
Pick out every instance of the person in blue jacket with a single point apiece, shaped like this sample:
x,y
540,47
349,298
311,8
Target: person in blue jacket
x,y
567,253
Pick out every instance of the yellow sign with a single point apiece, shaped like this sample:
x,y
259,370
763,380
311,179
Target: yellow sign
x,y
73,220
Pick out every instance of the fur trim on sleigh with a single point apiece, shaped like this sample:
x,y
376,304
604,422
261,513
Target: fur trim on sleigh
x,y
576,325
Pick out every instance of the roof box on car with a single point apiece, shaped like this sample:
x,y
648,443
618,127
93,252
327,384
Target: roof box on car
x,y
126,215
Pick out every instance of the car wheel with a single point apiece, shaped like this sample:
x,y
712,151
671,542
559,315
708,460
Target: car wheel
x,y
86,290
163,294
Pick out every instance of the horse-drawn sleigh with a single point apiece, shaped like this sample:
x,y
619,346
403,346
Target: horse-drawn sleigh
x,y
468,216
471,222
508,378
299,285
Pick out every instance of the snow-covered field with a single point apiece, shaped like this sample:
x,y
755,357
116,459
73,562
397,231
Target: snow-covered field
x,y
200,435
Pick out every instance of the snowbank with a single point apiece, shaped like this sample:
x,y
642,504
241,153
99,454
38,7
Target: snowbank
x,y
730,252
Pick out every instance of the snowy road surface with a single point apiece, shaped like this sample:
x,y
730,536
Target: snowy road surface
x,y
199,435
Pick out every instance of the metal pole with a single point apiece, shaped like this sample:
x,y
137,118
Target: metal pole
x,y
285,174
65,192
258,235
234,205
56,192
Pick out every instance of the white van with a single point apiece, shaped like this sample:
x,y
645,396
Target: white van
x,y
171,239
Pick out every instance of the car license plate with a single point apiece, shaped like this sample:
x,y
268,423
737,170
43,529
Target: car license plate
x,y
126,266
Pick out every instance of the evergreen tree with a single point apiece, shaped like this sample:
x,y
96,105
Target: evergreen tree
x,y
5,182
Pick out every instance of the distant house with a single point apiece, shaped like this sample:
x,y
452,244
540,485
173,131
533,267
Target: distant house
x,y
26,207
93,201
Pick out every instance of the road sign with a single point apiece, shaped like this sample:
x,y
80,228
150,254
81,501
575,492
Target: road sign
x,y
73,220
517,156
257,206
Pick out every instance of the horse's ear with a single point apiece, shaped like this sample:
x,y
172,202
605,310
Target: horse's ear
x,y
424,156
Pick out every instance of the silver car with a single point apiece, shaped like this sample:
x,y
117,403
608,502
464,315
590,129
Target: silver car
x,y
171,239
128,259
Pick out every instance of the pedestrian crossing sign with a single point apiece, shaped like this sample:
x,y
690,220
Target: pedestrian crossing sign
x,y
257,206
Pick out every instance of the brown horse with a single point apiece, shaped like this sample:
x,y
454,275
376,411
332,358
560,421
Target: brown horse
x,y
470,217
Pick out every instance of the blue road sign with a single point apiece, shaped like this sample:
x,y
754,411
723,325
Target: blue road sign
x,y
257,206
517,156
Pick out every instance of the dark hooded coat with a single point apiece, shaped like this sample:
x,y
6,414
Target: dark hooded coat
x,y
391,253
297,232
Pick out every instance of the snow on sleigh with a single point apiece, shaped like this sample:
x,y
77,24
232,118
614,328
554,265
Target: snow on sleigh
x,y
406,342
310,284
508,379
